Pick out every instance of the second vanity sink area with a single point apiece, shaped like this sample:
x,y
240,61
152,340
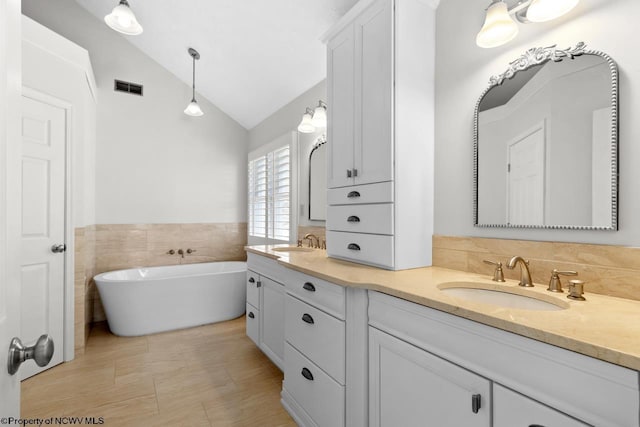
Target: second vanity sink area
x,y
502,296
374,339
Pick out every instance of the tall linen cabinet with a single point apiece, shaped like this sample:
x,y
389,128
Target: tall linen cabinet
x,y
380,90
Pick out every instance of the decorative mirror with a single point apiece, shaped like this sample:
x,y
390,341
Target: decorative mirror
x,y
546,142
318,181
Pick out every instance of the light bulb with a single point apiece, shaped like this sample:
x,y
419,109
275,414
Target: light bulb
x,y
193,109
123,20
319,117
546,10
306,126
498,27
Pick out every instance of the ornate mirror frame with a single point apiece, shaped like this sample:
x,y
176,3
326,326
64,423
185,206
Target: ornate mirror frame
x,y
537,56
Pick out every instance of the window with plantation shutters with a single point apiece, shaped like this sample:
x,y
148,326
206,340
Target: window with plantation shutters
x,y
269,216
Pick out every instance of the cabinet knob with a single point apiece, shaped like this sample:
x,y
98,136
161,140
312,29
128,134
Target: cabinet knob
x,y
252,280
307,319
251,315
258,284
353,246
476,403
355,172
307,374
309,287
353,218
348,173
353,194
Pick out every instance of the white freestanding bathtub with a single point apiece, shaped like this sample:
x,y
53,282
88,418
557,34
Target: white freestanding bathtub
x,y
144,301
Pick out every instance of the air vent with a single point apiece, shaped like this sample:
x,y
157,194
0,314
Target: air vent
x,y
127,87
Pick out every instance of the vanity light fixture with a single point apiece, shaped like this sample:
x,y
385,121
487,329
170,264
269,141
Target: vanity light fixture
x,y
314,119
193,109
123,20
500,28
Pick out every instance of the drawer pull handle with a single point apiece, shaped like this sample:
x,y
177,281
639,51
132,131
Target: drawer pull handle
x,y
348,173
252,280
353,218
476,403
307,319
353,194
536,425
355,172
353,247
251,315
309,287
307,374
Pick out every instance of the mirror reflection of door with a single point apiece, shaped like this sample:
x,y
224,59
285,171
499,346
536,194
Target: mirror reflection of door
x,y
318,182
525,178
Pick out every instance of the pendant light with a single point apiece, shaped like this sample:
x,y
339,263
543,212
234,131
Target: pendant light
x,y
123,20
499,28
546,10
306,125
193,109
320,115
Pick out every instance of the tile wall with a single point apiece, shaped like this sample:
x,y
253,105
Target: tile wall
x,y
609,270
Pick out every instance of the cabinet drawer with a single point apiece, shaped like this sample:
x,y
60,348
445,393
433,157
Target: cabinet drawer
x,y
381,192
253,291
319,293
375,219
511,409
253,324
320,396
317,335
364,248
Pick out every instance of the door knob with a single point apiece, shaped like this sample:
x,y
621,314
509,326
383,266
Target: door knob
x,y
57,249
41,352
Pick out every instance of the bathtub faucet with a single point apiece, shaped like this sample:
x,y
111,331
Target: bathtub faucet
x,y
181,253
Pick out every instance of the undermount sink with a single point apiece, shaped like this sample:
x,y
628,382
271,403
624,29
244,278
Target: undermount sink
x,y
502,296
291,249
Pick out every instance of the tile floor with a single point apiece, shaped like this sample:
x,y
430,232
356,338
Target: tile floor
x,y
211,375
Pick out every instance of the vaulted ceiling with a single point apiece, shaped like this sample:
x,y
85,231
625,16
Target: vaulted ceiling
x,y
256,55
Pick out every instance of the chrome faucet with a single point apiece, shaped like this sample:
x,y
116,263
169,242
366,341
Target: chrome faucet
x,y
310,237
525,275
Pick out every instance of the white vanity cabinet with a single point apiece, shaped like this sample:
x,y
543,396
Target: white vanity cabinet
x,y
512,409
265,306
315,351
411,387
531,383
380,140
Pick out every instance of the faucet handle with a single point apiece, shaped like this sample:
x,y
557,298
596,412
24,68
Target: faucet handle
x,y
576,290
498,274
554,282
299,243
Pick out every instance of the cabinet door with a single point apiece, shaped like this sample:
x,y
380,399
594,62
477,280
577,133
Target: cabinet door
x,y
411,387
272,320
340,99
511,409
373,158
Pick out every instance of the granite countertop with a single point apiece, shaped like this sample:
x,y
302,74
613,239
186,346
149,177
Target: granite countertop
x,y
603,327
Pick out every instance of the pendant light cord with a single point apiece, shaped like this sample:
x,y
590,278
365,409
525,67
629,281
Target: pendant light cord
x,y
194,79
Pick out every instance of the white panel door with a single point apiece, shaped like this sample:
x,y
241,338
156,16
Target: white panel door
x,y
411,387
10,67
340,81
525,190
374,87
43,226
